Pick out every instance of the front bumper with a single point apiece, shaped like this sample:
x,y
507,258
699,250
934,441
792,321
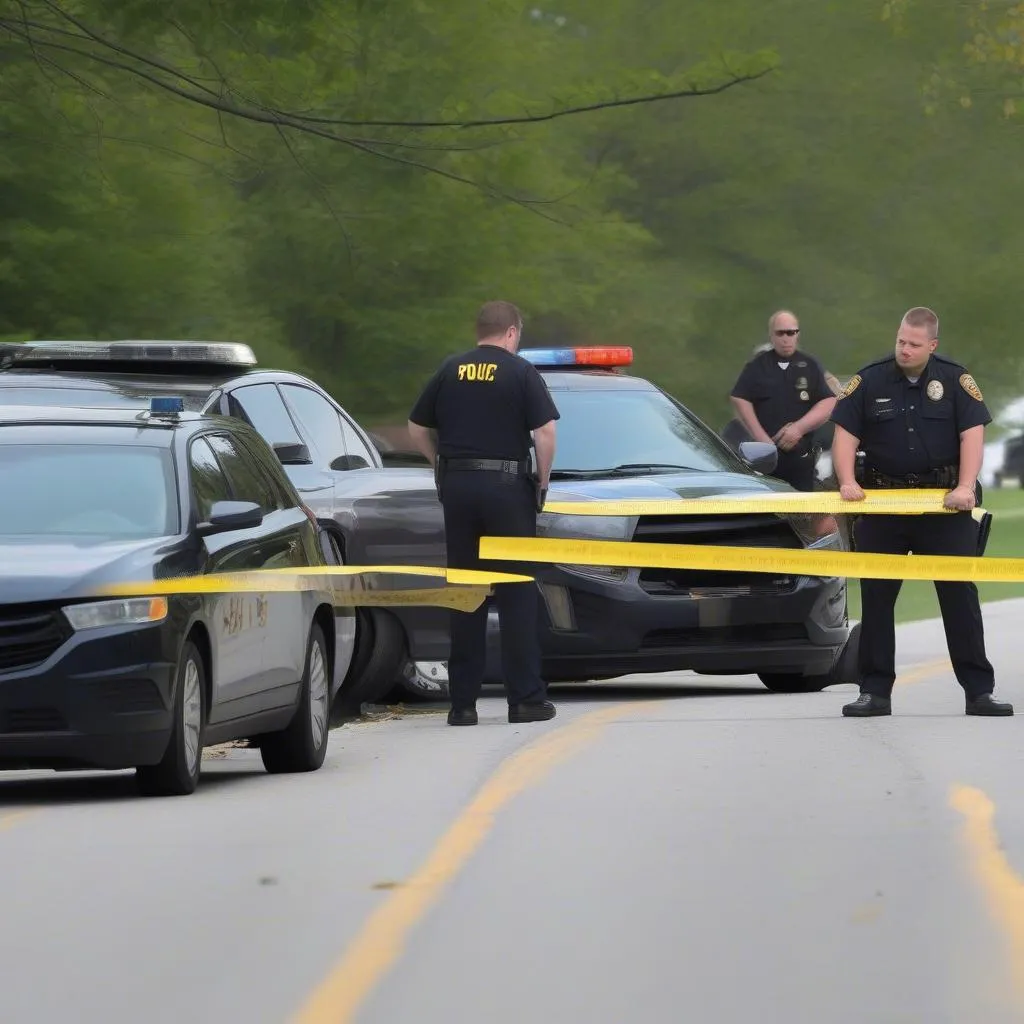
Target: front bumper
x,y
600,629
103,699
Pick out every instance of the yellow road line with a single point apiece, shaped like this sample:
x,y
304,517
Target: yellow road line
x,y
7,820
925,670
382,939
1002,886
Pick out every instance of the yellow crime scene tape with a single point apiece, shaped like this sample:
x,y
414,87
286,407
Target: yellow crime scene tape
x,y
465,589
876,502
857,564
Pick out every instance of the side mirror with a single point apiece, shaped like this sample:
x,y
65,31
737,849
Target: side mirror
x,y
343,462
290,453
761,456
232,515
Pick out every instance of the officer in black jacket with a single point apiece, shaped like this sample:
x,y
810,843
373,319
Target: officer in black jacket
x,y
783,395
484,405
920,420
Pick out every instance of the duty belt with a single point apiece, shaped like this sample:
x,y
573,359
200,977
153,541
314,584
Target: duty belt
x,y
944,477
494,465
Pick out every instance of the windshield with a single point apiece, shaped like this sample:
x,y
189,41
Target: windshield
x,y
606,429
111,492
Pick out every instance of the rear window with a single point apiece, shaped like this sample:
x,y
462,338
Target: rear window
x,y
603,429
102,492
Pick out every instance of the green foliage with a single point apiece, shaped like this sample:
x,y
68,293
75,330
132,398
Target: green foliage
x,y
342,185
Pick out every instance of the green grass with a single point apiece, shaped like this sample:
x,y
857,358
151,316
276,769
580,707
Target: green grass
x,y
917,597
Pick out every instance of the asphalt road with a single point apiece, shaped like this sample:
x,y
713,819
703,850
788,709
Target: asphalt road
x,y
680,850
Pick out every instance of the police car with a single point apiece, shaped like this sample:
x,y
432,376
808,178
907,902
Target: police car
x,y
329,458
622,437
96,496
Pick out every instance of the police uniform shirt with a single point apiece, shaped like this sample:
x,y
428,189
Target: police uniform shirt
x,y
782,390
483,404
909,426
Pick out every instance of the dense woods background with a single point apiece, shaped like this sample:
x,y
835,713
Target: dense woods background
x,y
340,184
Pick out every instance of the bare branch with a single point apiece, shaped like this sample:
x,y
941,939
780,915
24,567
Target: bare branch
x,y
691,92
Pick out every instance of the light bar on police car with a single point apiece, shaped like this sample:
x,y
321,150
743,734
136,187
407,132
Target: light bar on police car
x,y
221,353
596,355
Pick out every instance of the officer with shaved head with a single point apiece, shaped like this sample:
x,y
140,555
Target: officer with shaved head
x,y
782,396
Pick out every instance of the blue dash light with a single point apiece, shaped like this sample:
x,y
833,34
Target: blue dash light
x,y
166,406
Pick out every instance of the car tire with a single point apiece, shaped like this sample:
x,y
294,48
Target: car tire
x,y
845,670
302,746
177,773
794,682
380,655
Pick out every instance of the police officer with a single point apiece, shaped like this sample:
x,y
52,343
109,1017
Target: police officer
x,y
920,419
483,405
782,396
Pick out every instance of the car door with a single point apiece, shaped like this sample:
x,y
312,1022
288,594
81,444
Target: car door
x,y
281,618
262,406
236,630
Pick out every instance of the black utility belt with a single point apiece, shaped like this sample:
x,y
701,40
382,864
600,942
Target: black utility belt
x,y
946,476
513,466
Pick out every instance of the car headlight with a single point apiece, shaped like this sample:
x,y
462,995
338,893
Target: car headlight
x,y
551,524
569,527
130,612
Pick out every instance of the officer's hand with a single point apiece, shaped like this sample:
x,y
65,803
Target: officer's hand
x,y
851,492
787,437
542,496
960,498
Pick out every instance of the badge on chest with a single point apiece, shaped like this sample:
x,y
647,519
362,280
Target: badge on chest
x,y
801,386
935,390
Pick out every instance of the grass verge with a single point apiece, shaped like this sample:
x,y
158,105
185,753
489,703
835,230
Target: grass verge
x,y
917,598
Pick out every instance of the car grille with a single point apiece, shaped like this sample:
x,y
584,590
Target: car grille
x,y
763,531
719,636
28,638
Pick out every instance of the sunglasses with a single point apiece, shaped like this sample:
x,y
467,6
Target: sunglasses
x,y
789,331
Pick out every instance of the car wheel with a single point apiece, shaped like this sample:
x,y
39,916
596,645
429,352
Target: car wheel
x,y
794,682
845,670
378,665
177,773
302,746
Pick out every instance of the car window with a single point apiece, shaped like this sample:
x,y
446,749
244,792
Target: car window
x,y
247,481
209,484
603,429
263,407
320,421
101,492
354,443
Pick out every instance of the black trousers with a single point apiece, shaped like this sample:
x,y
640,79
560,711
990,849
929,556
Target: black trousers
x,y
938,534
481,503
796,470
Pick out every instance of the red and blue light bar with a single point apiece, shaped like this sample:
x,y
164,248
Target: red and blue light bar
x,y
597,355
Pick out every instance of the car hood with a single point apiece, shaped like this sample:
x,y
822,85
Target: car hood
x,y
661,486
39,569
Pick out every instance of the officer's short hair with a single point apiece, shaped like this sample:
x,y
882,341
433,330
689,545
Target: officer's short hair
x,y
922,316
496,318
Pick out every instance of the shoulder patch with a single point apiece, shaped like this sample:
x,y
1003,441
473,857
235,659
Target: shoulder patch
x,y
852,386
968,384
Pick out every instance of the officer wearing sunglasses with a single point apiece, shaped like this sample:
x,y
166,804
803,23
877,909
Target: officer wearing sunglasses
x,y
782,395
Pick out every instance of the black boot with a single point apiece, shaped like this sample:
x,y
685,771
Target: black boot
x,y
462,716
540,711
985,705
867,705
